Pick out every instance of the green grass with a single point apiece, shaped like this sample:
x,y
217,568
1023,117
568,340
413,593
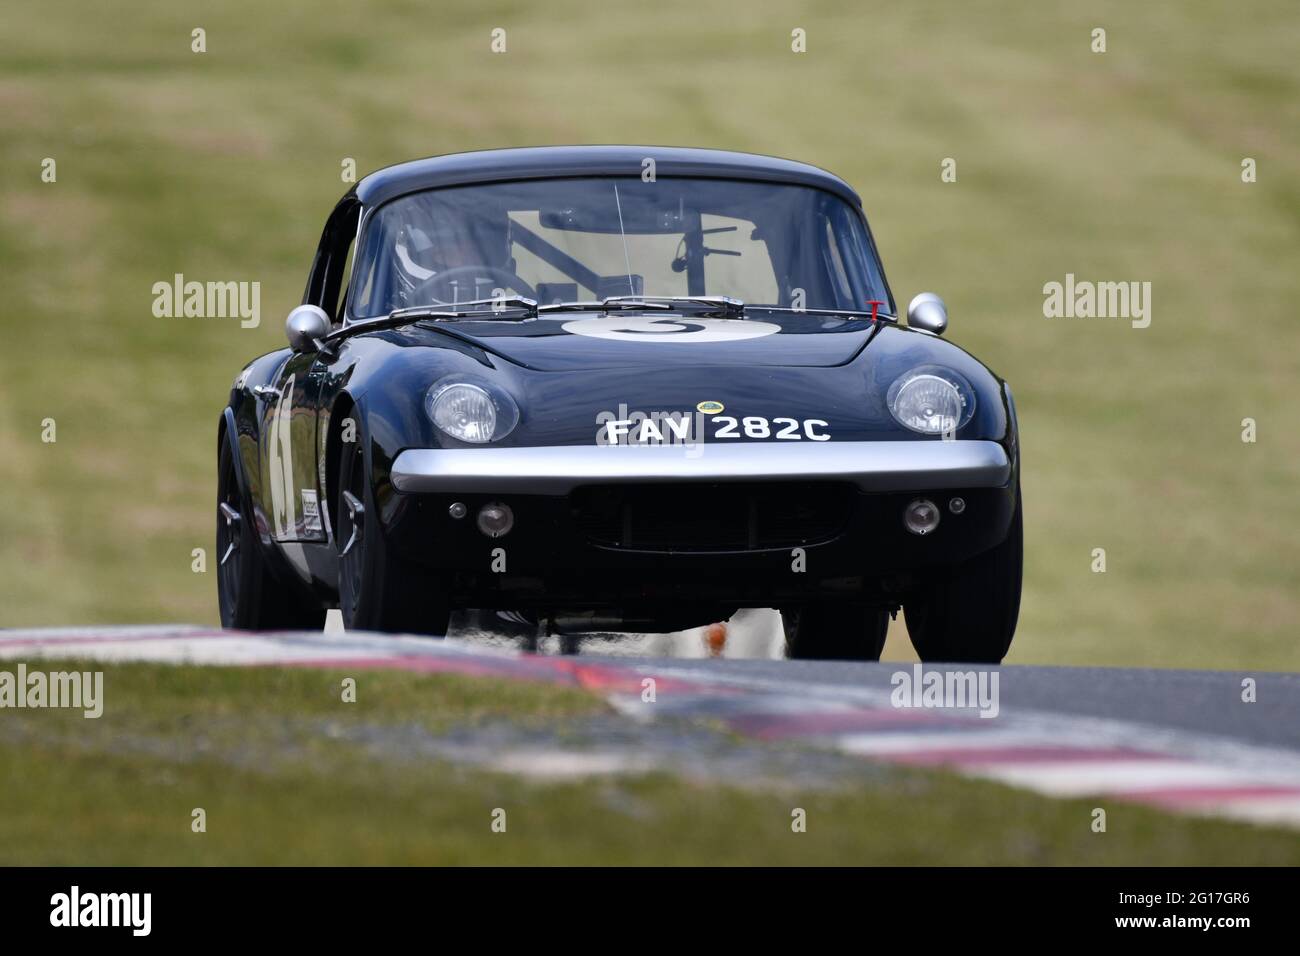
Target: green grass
x,y
265,753
1121,166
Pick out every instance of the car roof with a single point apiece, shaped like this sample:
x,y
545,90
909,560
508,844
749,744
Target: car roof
x,y
546,162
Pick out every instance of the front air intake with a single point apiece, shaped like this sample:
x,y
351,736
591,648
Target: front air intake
x,y
703,517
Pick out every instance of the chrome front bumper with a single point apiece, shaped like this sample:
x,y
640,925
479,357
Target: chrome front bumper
x,y
557,470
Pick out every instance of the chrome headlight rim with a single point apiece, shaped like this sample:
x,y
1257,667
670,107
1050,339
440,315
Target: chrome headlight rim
x,y
951,378
505,410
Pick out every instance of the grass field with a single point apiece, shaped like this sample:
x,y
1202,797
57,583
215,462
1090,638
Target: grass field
x,y
286,773
1118,166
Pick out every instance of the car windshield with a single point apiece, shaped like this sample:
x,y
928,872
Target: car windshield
x,y
568,240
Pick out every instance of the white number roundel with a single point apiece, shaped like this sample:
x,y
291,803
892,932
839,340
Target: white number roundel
x,y
651,329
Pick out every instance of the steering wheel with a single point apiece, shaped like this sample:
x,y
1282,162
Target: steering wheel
x,y
504,278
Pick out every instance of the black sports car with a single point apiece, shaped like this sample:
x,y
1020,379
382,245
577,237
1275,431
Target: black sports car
x,y
615,388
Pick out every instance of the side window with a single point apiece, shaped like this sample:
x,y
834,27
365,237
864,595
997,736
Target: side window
x,y
326,284
341,304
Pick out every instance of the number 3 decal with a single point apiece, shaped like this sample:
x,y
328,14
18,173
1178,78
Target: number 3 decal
x,y
629,329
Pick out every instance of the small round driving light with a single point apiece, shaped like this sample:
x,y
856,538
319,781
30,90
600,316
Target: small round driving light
x,y
957,505
495,519
457,510
921,516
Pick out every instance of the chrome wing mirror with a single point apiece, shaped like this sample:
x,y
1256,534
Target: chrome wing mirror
x,y
927,313
306,326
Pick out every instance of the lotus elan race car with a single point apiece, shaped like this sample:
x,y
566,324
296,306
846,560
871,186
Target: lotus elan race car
x,y
614,388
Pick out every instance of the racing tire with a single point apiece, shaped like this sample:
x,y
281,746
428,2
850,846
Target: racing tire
x,y
968,615
378,589
250,597
831,632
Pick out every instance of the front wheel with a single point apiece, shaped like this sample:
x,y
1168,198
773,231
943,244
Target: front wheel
x,y
250,598
378,589
968,614
832,632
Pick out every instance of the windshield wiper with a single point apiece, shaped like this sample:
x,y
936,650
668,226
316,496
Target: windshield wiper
x,y
714,305
602,305
507,309
717,305
517,306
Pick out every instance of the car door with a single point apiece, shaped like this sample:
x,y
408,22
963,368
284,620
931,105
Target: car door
x,y
290,413
288,448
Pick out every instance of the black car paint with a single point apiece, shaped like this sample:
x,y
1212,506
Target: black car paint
x,y
834,370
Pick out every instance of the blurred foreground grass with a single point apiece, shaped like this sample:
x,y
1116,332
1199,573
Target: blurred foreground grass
x,y
288,774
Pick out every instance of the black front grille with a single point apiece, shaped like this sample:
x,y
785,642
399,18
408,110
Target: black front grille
x,y
712,517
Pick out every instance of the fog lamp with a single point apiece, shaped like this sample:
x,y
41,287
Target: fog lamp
x,y
495,519
921,516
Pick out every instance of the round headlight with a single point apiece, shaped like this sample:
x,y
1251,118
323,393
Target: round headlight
x,y
932,401
464,411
